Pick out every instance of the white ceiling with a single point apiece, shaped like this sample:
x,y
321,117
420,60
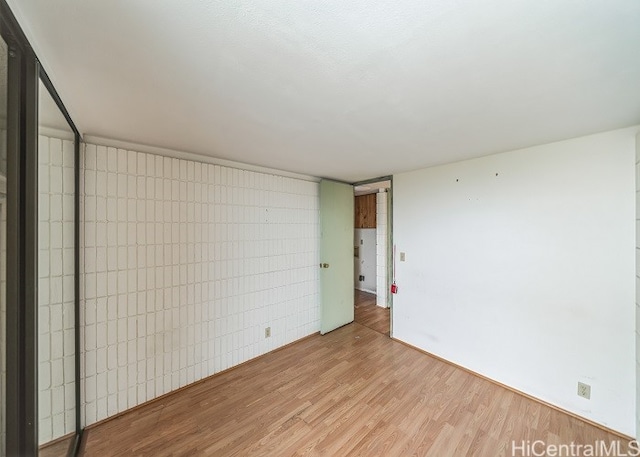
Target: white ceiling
x,y
348,89
49,115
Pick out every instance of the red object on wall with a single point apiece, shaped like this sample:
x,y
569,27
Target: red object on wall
x,y
394,288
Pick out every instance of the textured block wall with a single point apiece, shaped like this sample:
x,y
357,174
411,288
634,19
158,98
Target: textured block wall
x,y
56,289
382,287
185,264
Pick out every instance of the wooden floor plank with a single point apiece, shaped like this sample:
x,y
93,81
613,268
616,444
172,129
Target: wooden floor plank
x,y
353,391
57,448
369,314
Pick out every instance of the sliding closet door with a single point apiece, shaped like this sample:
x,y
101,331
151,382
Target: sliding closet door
x,y
4,55
19,240
39,338
56,279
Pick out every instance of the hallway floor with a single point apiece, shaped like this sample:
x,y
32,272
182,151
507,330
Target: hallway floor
x,y
369,314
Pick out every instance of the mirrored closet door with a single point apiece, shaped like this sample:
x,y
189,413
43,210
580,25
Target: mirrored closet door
x,y
39,226
3,239
56,279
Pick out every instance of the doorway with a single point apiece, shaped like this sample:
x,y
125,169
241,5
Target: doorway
x,y
372,254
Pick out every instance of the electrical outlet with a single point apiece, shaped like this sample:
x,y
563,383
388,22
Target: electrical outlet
x,y
584,390
267,332
361,278
402,256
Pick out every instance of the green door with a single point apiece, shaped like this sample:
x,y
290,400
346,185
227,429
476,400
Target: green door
x,y
336,255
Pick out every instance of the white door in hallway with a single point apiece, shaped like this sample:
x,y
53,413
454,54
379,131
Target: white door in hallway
x,y
336,255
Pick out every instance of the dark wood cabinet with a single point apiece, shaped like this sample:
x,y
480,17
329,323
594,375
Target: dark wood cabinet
x,y
365,211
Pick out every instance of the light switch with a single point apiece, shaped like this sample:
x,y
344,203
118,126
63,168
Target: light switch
x,y
402,257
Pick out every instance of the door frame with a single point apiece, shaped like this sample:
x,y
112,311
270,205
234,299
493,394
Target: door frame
x,y
46,82
390,265
21,413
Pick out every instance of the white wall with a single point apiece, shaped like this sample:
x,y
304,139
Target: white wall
x,y
56,288
520,266
382,287
185,264
365,264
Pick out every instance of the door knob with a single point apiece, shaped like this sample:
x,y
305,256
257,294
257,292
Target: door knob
x,y
324,265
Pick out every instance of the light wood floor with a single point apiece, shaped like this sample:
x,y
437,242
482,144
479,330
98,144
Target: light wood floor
x,y
353,391
57,448
369,314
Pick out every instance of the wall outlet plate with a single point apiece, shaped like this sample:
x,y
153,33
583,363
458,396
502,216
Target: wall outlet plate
x,y
267,332
584,390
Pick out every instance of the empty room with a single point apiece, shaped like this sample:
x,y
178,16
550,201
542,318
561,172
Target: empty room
x,y
330,228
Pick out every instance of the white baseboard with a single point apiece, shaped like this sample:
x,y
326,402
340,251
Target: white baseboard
x,y
366,290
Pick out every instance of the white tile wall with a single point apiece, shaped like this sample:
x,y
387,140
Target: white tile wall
x,y
184,265
382,286
56,350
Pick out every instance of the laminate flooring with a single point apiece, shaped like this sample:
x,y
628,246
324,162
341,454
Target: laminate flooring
x,y
58,448
369,314
351,392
